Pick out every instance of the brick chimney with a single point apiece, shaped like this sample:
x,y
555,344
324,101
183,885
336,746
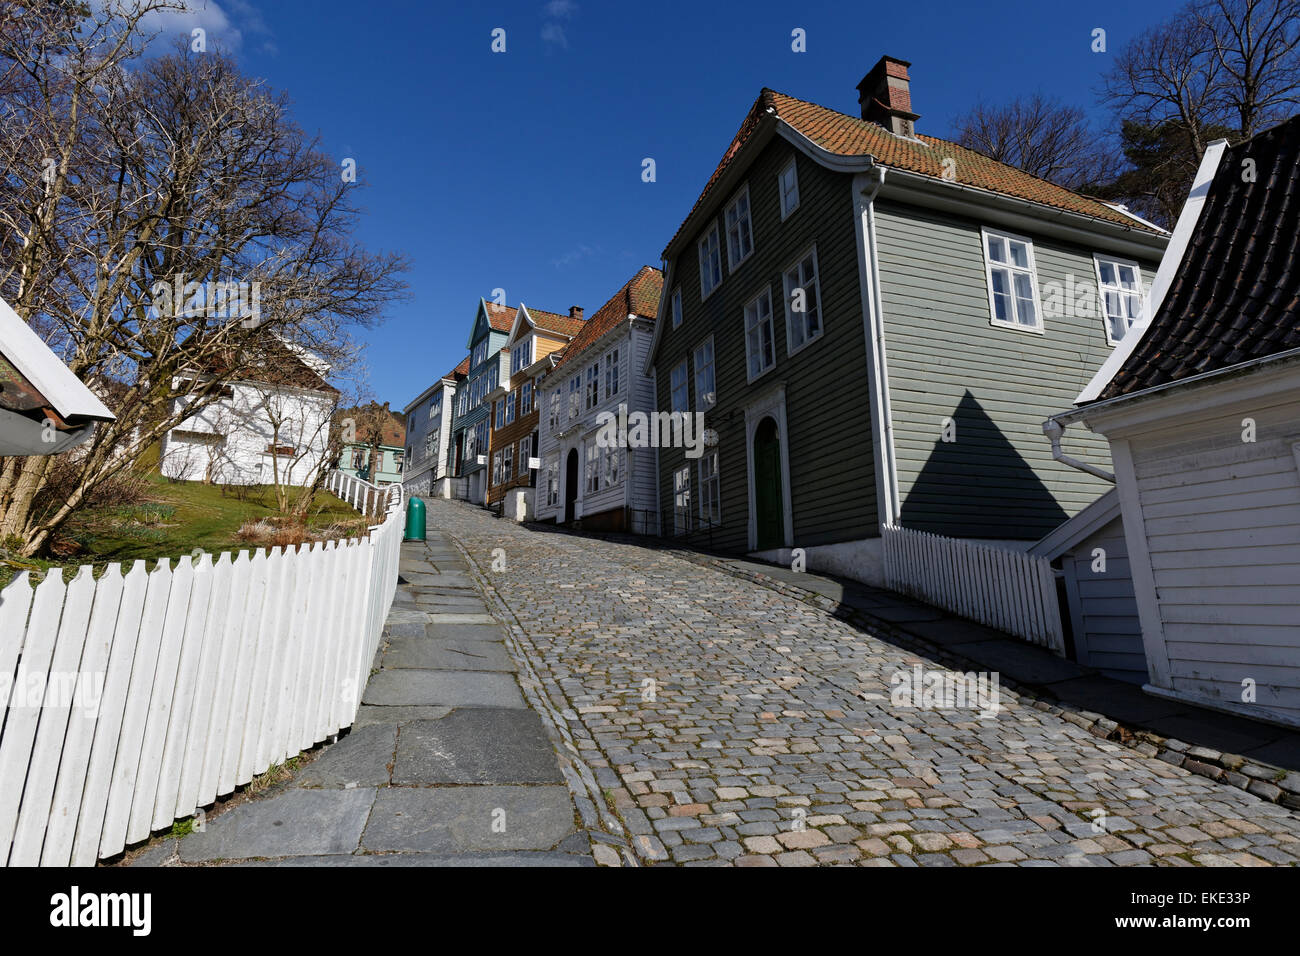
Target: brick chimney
x,y
575,312
885,96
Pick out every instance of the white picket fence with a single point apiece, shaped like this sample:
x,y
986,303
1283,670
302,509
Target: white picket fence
x,y
1006,589
207,674
370,499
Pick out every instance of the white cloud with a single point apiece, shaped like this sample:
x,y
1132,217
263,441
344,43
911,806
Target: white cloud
x,y
553,35
561,9
228,24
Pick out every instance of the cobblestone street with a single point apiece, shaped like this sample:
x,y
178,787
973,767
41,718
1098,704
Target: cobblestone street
x,y
727,723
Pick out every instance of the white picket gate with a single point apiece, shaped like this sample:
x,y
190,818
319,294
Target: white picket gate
x,y
207,674
1006,589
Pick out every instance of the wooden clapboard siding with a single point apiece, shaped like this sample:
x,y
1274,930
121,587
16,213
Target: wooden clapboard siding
x,y
1221,520
1103,609
210,672
945,359
832,478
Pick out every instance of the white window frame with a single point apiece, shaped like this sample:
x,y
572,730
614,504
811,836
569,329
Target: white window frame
x,y
575,396
525,452
1097,259
771,318
790,314
496,468
711,481
715,236
990,265
552,481
510,407
507,463
685,387
609,467
591,468
525,398
521,356
554,413
793,168
611,373
681,499
745,225
677,306
499,413
702,402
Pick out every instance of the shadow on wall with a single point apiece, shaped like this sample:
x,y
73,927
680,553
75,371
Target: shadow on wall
x,y
978,485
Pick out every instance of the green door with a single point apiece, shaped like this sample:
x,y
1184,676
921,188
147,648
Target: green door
x,y
769,512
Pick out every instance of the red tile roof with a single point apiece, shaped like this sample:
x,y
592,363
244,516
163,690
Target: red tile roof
x,y
639,296
461,370
847,135
501,317
564,325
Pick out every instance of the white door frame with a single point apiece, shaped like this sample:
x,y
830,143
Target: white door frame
x,y
770,403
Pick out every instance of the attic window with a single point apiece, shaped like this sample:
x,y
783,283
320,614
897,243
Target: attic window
x,y
710,262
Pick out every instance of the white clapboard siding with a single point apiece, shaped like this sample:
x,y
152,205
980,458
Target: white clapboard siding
x,y
1009,590
136,699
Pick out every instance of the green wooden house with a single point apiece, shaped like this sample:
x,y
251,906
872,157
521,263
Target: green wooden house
x,y
874,323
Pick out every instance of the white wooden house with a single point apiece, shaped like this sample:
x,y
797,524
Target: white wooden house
x,y
270,428
600,370
430,457
1201,406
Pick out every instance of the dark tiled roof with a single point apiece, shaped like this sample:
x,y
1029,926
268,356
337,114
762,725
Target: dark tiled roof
x,y
1236,295
847,135
639,296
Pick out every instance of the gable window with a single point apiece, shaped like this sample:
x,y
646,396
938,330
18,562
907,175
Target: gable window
x,y
1013,288
593,385
682,499
611,374
710,489
555,409
710,262
788,186
740,232
1120,284
681,397
677,307
803,303
760,335
521,356
525,398
704,386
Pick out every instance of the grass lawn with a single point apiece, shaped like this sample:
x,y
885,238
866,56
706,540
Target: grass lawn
x,y
177,518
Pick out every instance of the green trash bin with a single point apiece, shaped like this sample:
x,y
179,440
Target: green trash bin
x,y
414,520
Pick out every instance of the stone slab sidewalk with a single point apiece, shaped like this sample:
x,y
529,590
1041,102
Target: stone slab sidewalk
x,y
446,764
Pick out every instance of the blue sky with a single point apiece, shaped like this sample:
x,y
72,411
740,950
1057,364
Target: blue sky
x,y
522,170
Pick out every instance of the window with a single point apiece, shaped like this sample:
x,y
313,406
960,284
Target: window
x,y
760,336
430,445
710,489
575,396
787,182
397,461
682,499
500,413
803,312
521,356
592,468
507,462
681,399
525,398
593,385
510,407
705,395
677,307
358,459
553,482
1013,291
710,262
1120,284
555,409
493,379
609,467
481,437
525,451
480,353
740,232
496,468
611,374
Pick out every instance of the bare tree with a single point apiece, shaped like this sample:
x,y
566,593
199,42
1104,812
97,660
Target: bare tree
x,y
177,183
1040,135
1254,45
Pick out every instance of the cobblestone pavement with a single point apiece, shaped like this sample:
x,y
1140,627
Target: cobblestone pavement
x,y
729,724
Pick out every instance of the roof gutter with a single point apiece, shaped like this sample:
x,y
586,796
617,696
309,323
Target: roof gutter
x,y
1054,430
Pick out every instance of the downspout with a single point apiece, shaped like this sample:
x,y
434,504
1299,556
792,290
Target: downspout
x,y
883,424
1054,430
